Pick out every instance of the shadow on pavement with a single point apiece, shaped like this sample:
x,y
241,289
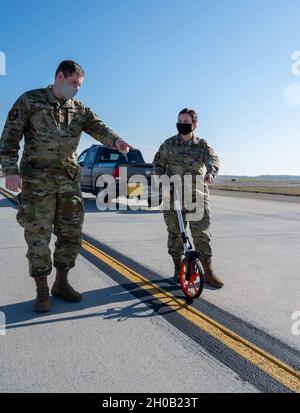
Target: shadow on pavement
x,y
5,203
18,314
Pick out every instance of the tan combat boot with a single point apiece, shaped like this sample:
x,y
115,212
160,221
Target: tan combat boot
x,y
62,289
210,277
42,302
177,266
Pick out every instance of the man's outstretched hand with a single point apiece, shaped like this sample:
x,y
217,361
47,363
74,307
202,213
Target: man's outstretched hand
x,y
123,146
209,178
13,183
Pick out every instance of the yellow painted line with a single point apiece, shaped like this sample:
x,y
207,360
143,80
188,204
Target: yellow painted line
x,y
271,365
6,193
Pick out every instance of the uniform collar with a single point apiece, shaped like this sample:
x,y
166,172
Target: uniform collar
x,y
180,141
53,99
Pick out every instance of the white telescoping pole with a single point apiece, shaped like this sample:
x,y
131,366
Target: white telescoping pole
x,y
180,221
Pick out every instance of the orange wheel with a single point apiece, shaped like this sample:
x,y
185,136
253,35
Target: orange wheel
x,y
191,278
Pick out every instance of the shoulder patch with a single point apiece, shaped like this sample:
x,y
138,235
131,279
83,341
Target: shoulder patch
x,y
13,114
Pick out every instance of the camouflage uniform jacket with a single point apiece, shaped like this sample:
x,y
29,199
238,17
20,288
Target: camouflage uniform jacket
x,y
177,157
52,129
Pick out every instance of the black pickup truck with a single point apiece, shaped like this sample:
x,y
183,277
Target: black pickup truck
x,y
99,160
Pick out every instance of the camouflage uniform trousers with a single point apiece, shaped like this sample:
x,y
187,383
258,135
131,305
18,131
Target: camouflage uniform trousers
x,y
200,230
46,205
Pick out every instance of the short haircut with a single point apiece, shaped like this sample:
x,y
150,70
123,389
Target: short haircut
x,y
190,112
68,67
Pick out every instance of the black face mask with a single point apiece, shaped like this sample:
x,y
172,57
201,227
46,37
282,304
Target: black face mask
x,y
184,128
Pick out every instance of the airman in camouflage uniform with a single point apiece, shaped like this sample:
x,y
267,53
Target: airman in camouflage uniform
x,y
186,154
51,199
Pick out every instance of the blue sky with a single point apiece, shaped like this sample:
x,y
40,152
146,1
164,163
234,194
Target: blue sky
x,y
145,60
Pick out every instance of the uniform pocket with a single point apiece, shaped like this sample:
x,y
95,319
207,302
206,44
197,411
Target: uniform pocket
x,y
73,172
74,122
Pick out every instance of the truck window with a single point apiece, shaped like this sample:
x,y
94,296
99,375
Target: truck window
x,y
90,156
106,156
81,158
112,156
134,156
